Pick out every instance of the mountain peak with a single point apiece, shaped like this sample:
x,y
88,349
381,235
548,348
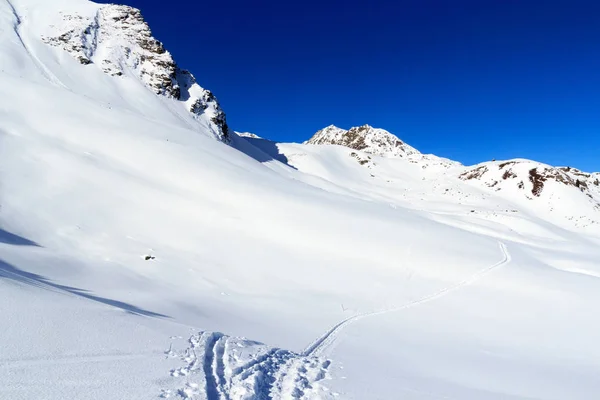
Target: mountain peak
x,y
117,40
366,138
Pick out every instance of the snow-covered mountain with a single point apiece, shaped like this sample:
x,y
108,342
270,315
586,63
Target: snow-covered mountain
x,y
366,138
117,40
148,250
563,193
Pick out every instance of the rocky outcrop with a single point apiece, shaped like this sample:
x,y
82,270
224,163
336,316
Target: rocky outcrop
x,y
582,179
118,40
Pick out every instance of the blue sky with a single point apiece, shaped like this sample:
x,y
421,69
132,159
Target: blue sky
x,y
469,80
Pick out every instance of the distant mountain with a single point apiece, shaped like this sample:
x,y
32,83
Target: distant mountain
x,y
366,138
248,135
533,178
564,195
563,191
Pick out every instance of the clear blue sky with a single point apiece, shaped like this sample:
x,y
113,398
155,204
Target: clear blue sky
x,y
469,80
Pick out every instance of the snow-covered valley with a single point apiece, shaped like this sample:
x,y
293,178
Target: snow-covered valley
x,y
147,250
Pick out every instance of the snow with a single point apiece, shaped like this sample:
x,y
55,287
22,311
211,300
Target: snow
x,y
142,256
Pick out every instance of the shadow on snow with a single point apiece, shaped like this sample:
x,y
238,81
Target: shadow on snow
x,y
15,274
15,240
12,273
262,150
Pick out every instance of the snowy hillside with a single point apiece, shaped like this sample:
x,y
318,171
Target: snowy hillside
x,y
147,250
563,196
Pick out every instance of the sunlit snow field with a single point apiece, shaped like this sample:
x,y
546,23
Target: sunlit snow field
x,y
313,278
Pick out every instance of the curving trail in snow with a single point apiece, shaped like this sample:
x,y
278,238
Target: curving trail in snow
x,y
320,346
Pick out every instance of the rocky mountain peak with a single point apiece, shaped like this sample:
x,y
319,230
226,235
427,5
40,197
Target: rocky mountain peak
x,y
366,138
118,40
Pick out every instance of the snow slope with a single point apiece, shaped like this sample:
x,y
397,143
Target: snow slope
x,y
146,253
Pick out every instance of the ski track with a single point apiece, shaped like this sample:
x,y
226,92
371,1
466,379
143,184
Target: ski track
x,y
324,342
46,73
212,391
218,368
276,374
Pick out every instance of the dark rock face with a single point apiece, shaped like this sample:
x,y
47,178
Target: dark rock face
x,y
206,101
538,176
203,102
220,121
158,67
354,138
508,174
537,180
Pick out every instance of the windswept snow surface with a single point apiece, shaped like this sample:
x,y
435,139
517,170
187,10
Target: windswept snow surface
x,y
130,237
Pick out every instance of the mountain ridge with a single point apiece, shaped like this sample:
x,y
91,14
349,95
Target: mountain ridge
x,y
357,137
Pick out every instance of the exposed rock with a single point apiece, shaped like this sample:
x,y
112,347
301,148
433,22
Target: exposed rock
x,y
361,160
119,42
537,181
474,173
508,174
